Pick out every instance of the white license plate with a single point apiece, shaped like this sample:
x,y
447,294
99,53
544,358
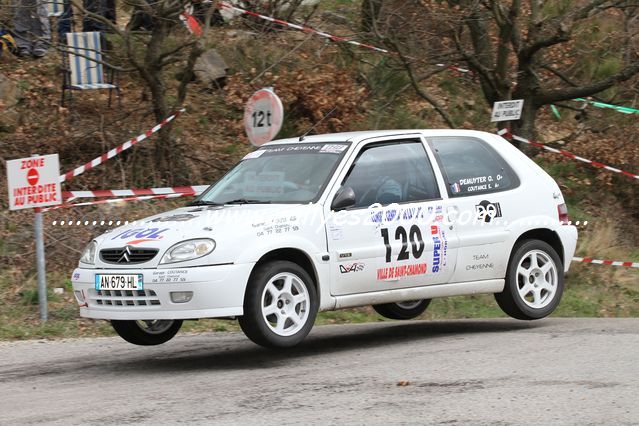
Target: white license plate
x,y
118,282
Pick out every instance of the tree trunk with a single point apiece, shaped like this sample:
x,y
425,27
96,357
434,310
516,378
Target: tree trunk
x,y
525,126
164,154
163,143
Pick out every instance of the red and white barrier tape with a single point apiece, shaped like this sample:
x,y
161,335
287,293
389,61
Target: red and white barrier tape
x,y
506,133
455,68
327,35
606,262
118,200
303,28
70,195
324,34
115,151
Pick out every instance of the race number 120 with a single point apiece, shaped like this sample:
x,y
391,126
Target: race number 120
x,y
414,235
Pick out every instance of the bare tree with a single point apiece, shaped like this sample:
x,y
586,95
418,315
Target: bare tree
x,y
166,46
531,50
510,46
413,35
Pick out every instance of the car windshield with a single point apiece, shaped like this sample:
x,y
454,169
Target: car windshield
x,y
292,173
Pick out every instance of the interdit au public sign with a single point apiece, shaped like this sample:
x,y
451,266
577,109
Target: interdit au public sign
x,y
34,182
507,110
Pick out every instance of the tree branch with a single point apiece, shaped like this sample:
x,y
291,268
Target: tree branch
x,y
558,95
172,52
484,72
561,28
411,75
561,35
422,93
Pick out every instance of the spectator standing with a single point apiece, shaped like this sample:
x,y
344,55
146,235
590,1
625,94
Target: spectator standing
x,y
104,8
31,27
65,21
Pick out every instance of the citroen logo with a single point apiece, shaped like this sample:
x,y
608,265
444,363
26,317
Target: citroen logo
x,y
125,255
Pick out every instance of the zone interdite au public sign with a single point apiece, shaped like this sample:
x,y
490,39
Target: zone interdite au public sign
x,y
34,182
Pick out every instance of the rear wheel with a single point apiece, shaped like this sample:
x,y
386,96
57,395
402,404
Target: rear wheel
x,y
147,332
402,310
280,305
534,281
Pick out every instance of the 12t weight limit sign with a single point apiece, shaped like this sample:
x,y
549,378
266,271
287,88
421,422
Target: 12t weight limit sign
x,y
263,116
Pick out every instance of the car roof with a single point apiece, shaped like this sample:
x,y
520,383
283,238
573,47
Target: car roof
x,y
368,134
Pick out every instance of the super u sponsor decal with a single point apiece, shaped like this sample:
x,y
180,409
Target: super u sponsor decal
x,y
437,247
440,247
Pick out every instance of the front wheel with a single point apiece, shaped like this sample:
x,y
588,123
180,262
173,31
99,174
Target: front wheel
x,y
402,310
280,305
147,332
534,281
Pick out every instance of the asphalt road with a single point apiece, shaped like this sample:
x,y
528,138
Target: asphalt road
x,y
554,371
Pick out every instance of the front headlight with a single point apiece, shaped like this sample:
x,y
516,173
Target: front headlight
x,y
88,255
188,250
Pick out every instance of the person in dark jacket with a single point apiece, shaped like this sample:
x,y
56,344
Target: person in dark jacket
x,y
31,28
104,8
65,21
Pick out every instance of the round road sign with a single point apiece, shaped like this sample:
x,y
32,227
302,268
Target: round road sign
x,y
263,116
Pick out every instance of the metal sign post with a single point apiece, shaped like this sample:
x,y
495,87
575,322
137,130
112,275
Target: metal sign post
x,y
40,264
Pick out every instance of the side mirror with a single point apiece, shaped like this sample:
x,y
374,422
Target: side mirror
x,y
344,199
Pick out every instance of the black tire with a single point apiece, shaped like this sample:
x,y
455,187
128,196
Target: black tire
x,y
259,327
147,333
402,310
511,301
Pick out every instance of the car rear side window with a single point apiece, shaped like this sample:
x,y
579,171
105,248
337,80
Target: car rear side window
x,y
471,167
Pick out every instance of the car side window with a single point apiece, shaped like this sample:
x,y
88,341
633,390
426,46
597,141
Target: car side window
x,y
392,172
471,167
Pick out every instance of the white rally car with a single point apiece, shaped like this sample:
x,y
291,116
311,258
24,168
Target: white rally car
x,y
384,218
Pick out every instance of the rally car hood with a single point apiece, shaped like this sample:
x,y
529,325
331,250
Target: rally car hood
x,y
168,228
226,225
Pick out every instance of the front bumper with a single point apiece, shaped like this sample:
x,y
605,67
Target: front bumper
x,y
218,291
